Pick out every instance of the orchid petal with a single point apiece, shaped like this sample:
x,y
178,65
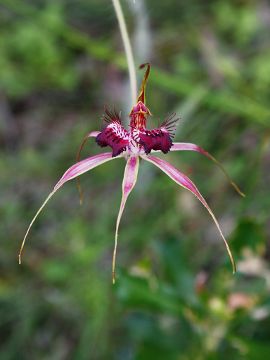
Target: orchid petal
x,y
78,157
129,181
93,134
115,136
155,139
186,183
194,147
74,171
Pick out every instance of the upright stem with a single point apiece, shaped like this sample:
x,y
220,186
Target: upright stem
x,y
128,50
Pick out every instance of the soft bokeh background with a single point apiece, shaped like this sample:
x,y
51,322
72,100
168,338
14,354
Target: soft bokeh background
x,y
175,297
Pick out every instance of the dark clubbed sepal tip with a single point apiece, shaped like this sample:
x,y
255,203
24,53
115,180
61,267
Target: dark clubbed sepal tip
x,y
141,96
144,65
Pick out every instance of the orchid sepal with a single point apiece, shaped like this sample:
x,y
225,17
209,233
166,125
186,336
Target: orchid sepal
x,y
181,146
182,180
74,171
129,181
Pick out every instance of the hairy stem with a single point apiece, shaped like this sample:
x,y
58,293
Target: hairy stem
x,y
128,50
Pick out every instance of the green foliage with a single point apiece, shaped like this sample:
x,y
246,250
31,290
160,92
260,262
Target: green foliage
x,y
175,296
33,56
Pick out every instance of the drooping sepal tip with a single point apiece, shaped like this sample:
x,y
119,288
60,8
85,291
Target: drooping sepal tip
x,y
31,223
194,147
231,257
233,184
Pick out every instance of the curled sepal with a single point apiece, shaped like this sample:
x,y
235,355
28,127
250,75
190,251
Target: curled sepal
x,y
78,158
194,147
186,183
129,181
74,171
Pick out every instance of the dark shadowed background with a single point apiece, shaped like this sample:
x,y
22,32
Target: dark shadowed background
x,y
175,296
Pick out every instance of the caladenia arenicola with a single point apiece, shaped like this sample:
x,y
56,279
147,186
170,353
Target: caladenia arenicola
x,y
132,145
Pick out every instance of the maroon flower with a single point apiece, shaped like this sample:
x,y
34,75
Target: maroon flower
x,y
132,145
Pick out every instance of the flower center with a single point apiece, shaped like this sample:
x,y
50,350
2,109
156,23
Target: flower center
x,y
138,121
138,116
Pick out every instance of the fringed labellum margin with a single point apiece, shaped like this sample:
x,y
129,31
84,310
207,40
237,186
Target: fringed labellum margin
x,y
137,142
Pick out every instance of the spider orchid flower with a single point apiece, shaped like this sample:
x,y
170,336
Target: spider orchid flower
x,y
133,145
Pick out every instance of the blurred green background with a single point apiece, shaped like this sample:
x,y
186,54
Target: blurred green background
x,y
175,296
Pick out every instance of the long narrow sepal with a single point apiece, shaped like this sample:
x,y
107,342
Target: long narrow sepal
x,y
31,223
129,181
78,158
194,147
186,183
74,171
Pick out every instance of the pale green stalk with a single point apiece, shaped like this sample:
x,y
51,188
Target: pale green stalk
x,y
128,49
